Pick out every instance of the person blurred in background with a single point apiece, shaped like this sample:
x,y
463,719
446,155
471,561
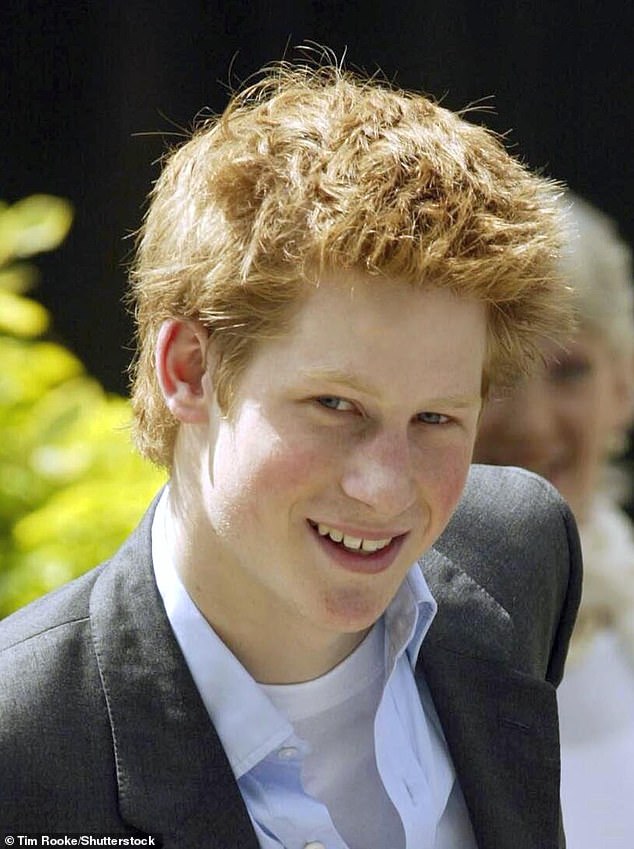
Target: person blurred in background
x,y
568,424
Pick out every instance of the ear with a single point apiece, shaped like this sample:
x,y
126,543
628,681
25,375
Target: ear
x,y
181,363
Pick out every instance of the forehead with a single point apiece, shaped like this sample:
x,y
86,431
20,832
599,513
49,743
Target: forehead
x,y
385,331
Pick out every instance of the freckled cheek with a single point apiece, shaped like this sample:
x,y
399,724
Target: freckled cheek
x,y
292,468
262,472
443,473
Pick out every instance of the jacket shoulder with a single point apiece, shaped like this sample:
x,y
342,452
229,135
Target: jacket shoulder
x,y
516,539
500,494
55,740
509,511
62,606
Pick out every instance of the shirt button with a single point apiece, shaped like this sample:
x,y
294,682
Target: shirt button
x,y
287,753
314,844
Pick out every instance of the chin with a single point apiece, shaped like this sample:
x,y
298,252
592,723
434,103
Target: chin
x,y
352,612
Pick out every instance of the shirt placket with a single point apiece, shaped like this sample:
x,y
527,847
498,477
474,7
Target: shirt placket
x,y
283,813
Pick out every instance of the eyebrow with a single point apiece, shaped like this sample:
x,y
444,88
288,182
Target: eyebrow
x,y
344,378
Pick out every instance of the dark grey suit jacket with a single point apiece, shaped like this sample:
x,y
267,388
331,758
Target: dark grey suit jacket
x,y
103,730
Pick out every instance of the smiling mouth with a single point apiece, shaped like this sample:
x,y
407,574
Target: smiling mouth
x,y
356,545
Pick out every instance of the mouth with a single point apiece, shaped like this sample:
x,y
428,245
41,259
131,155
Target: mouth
x,y
369,554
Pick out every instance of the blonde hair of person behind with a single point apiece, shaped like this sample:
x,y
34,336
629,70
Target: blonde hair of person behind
x,y
598,268
315,167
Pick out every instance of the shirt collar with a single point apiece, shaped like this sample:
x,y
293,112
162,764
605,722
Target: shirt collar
x,y
408,618
248,724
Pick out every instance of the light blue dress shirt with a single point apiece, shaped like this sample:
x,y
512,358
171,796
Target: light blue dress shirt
x,y
266,754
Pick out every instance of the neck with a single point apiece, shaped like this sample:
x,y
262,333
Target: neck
x,y
276,658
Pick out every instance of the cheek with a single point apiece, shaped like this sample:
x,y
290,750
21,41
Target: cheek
x,y
254,467
287,471
586,420
443,473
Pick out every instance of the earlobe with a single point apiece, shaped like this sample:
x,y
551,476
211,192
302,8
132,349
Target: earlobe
x,y
181,364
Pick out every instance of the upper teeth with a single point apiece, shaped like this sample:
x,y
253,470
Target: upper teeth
x,y
353,543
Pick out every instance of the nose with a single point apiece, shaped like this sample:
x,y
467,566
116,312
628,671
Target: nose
x,y
379,473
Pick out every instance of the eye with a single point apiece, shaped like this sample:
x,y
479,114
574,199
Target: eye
x,y
333,402
432,418
569,370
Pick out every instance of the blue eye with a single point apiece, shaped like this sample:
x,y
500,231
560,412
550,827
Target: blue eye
x,y
432,418
333,402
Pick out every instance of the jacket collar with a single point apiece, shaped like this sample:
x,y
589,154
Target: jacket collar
x,y
500,725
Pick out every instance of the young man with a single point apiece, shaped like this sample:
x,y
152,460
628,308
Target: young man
x,y
292,650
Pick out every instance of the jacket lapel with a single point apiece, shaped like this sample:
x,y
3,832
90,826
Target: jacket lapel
x,y
500,725
173,777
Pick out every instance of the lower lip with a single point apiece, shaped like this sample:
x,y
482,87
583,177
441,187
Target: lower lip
x,y
353,561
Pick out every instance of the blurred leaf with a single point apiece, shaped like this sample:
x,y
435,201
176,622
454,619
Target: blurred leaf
x,y
71,486
93,515
18,278
32,225
21,316
28,369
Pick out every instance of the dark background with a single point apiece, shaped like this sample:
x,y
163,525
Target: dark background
x,y
93,91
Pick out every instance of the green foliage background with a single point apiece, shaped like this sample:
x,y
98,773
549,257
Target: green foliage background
x,y
71,485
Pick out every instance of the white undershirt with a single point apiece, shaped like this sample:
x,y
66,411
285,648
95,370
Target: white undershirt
x,y
335,715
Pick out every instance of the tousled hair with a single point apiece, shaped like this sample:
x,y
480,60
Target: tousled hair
x,y
315,168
